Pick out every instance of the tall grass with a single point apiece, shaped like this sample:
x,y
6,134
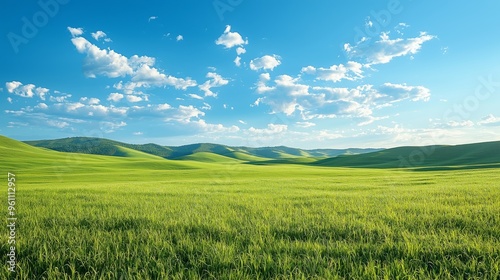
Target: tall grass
x,y
253,222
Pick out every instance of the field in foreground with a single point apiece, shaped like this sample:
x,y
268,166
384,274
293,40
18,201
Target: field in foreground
x,y
146,217
253,222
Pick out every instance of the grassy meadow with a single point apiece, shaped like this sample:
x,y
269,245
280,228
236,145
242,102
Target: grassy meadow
x,y
144,217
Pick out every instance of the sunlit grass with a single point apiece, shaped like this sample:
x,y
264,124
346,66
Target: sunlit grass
x,y
257,222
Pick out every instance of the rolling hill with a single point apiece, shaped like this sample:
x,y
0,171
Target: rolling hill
x,y
422,158
429,156
108,147
20,157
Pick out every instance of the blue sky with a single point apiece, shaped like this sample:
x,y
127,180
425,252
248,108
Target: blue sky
x,y
309,74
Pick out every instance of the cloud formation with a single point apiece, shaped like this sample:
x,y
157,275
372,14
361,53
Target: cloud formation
x,y
385,49
230,39
267,62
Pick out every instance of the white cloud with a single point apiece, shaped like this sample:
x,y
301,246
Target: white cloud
x,y
242,122
27,91
101,62
195,96
147,76
90,101
100,34
398,92
136,61
240,51
272,129
215,128
42,106
336,73
115,97
41,92
164,107
237,61
460,124
216,80
58,124
112,64
9,100
289,95
75,31
185,114
261,84
230,39
84,110
179,38
292,85
327,135
206,106
11,86
110,127
138,133
490,120
305,124
267,62
133,98
152,18
385,49
60,99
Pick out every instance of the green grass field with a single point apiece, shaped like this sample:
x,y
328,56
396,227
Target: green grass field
x,y
144,217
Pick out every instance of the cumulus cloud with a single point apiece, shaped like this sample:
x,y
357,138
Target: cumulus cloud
x,y
215,128
267,62
336,73
237,61
100,62
75,32
240,51
291,96
215,80
179,38
100,34
133,98
27,91
185,114
115,97
42,106
230,39
398,92
385,49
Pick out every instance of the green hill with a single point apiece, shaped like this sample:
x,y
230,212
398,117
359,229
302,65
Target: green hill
x,y
429,156
26,159
99,146
244,156
108,147
208,157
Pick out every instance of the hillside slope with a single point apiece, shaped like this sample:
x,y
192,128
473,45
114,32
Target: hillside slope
x,y
108,147
459,155
20,157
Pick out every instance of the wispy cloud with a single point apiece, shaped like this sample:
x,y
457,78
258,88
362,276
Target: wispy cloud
x,y
384,49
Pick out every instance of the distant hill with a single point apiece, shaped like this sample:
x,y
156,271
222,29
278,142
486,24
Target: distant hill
x,y
18,154
108,147
429,156
99,146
